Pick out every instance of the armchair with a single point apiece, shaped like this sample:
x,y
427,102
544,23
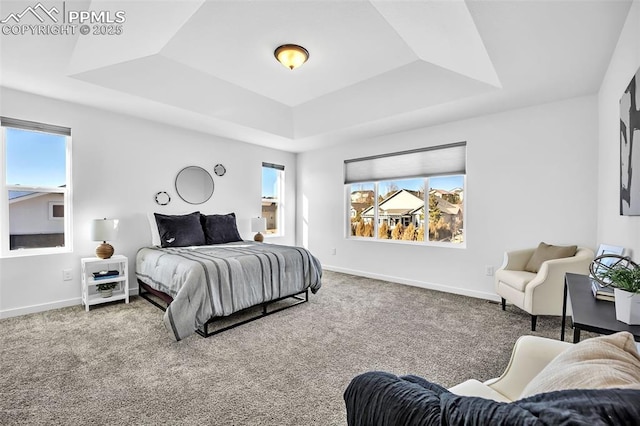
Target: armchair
x,y
594,382
530,356
538,293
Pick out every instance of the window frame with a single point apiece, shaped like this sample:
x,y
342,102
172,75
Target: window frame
x,y
376,221
425,163
52,206
66,191
280,197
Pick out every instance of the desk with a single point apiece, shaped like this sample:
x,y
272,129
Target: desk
x,y
589,313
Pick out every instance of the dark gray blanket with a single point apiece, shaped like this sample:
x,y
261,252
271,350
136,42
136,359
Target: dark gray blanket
x,y
378,398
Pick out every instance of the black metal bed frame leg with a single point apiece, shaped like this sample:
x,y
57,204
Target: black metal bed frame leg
x,y
204,332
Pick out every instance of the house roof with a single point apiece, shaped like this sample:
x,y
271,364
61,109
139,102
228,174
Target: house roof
x,y
375,66
448,208
19,194
400,202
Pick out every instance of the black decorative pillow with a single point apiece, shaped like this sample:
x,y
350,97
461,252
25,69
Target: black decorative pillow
x,y
180,230
220,228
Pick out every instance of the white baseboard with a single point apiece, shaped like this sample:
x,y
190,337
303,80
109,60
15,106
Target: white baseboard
x,y
430,286
32,309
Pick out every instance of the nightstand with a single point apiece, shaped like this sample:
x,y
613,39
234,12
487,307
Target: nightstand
x,y
90,294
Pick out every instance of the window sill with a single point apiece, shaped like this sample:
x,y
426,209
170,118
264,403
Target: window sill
x,y
35,252
411,243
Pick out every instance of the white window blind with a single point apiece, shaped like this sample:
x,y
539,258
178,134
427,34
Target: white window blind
x,y
33,126
273,166
439,160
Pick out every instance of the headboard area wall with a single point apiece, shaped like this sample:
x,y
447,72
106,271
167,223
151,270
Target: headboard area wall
x,y
120,166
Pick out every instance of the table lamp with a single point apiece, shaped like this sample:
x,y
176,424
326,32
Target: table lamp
x,y
104,230
258,224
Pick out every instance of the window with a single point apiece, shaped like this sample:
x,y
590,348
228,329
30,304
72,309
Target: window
x,y
273,198
414,196
56,210
36,177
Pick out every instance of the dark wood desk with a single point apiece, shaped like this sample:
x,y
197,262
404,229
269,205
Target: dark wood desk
x,y
589,313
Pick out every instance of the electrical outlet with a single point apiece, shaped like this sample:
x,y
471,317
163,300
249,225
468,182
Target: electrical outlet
x,y
488,270
66,275
333,251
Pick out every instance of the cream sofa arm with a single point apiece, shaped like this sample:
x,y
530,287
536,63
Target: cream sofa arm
x,y
516,260
530,355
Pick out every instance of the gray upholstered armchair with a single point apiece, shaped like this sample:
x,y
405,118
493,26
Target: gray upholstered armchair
x,y
536,285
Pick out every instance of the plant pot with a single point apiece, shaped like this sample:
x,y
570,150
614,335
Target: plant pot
x,y
106,293
627,306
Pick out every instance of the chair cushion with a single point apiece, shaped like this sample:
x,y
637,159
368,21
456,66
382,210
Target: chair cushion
x,y
546,252
515,279
601,362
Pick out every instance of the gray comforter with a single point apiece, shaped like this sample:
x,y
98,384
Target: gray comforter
x,y
218,280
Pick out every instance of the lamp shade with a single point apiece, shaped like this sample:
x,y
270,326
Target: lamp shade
x,y
104,229
258,224
291,55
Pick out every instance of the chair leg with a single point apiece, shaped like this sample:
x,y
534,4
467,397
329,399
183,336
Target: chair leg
x,y
504,303
534,319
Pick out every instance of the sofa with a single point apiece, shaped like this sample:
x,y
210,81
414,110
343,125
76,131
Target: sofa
x,y
595,382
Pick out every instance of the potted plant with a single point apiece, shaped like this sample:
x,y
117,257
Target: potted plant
x,y
106,289
625,280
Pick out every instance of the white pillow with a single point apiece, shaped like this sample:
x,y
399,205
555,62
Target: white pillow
x,y
155,235
610,361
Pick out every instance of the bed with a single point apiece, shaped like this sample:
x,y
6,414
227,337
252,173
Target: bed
x,y
202,283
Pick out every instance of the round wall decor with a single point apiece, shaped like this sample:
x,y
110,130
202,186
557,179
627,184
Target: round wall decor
x,y
219,170
162,198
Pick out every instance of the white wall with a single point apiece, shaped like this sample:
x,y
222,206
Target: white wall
x,y
119,163
612,227
531,177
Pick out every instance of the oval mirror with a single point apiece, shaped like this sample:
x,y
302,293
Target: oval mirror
x,y
194,185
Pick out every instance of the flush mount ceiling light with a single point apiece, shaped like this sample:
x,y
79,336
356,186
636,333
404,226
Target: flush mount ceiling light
x,y
291,55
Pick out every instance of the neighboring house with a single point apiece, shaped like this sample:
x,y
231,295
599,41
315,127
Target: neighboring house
x,y
407,207
360,200
451,213
36,219
270,212
402,206
362,196
459,192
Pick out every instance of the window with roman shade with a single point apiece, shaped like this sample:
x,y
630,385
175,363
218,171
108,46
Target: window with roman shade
x,y
414,196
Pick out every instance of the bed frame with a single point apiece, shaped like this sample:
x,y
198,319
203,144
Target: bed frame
x,y
204,331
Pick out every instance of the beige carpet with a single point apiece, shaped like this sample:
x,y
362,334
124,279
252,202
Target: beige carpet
x,y
118,365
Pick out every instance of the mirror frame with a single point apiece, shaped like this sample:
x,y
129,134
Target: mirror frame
x,y
204,175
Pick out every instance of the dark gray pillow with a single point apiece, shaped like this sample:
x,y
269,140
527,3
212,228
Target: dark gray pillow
x,y
180,230
220,228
